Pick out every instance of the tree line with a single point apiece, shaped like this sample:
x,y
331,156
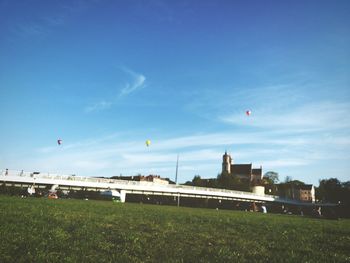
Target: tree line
x,y
223,181
328,191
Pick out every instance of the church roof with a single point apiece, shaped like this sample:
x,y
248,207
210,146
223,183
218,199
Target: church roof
x,y
257,171
305,186
241,169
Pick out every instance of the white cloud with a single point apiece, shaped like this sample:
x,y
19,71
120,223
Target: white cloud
x,y
285,137
310,117
57,20
99,106
283,163
30,30
118,154
137,83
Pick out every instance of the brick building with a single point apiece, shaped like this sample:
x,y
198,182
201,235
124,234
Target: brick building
x,y
300,192
242,171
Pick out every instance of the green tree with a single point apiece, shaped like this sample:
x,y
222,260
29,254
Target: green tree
x,y
197,181
271,177
188,183
227,181
288,179
329,190
294,182
212,183
333,191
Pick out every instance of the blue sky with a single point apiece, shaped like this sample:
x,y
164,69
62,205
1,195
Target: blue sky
x,y
105,76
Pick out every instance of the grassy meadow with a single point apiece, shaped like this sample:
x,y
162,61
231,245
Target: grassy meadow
x,y
43,230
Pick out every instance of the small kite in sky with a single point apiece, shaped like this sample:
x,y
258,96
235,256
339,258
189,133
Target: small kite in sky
x,y
148,143
59,141
248,112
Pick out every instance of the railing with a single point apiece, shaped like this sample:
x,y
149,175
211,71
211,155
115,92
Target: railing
x,y
54,176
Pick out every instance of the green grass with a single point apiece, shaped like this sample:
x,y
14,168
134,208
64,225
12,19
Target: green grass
x,y
42,230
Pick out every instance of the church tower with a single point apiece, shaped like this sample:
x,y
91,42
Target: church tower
x,y
226,163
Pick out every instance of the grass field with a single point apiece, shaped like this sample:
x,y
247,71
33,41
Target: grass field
x,y
42,230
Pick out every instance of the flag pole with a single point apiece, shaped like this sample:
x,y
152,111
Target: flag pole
x,y
177,168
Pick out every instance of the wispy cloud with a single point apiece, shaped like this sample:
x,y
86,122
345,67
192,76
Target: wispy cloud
x,y
137,83
57,20
99,106
41,25
287,132
278,163
310,117
282,151
293,107
30,30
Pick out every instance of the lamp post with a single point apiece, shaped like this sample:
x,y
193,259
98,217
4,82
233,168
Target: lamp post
x,y
177,168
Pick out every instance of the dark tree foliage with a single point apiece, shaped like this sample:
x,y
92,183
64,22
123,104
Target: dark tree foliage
x,y
333,191
188,183
329,190
271,178
295,182
197,181
227,181
223,180
233,182
288,179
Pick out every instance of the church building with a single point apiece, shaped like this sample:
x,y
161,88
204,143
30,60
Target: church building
x,y
242,171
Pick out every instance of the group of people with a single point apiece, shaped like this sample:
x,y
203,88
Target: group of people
x,y
7,172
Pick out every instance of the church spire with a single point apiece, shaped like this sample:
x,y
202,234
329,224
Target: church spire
x,y
226,163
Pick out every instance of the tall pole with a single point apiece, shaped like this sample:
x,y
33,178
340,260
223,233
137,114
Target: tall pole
x,y
177,168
